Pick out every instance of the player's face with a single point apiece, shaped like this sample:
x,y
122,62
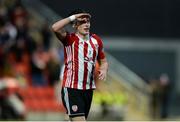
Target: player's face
x,y
83,26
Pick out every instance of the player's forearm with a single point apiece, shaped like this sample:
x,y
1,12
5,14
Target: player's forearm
x,y
104,65
57,26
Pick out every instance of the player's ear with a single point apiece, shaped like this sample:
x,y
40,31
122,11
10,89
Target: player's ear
x,y
74,26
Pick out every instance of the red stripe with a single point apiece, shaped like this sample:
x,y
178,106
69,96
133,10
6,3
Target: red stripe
x,y
94,56
65,68
85,66
71,65
76,52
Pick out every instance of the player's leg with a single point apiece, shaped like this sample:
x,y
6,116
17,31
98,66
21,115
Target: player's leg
x,y
88,100
74,104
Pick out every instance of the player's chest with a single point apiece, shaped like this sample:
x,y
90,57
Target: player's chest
x,y
88,48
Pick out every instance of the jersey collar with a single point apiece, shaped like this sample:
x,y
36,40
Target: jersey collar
x,y
83,40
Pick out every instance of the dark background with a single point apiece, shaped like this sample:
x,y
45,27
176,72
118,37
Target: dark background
x,y
148,64
136,18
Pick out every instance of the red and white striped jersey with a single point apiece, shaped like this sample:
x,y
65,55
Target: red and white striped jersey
x,y
79,58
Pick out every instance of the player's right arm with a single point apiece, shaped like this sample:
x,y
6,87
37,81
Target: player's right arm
x,y
58,27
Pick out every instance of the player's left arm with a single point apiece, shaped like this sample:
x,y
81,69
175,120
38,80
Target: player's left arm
x,y
101,58
103,68
103,64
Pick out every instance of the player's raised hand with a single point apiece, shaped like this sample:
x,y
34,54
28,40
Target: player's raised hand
x,y
79,17
82,15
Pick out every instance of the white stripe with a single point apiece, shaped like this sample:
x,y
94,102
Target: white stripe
x,y
66,99
89,65
93,84
94,41
73,75
81,65
61,75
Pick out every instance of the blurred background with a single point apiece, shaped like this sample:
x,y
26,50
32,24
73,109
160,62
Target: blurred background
x,y
142,41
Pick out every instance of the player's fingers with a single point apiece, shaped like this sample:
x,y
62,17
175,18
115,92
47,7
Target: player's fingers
x,y
101,77
83,15
81,19
86,15
100,73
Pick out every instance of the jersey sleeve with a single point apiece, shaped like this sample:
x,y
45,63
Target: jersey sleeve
x,y
68,39
101,54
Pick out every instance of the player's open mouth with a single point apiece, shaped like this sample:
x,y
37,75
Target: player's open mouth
x,y
86,29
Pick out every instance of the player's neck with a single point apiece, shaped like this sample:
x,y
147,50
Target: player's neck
x,y
84,37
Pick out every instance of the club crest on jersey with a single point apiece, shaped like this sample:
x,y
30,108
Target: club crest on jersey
x,y
74,108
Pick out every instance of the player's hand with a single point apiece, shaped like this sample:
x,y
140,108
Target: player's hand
x,y
102,74
81,16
